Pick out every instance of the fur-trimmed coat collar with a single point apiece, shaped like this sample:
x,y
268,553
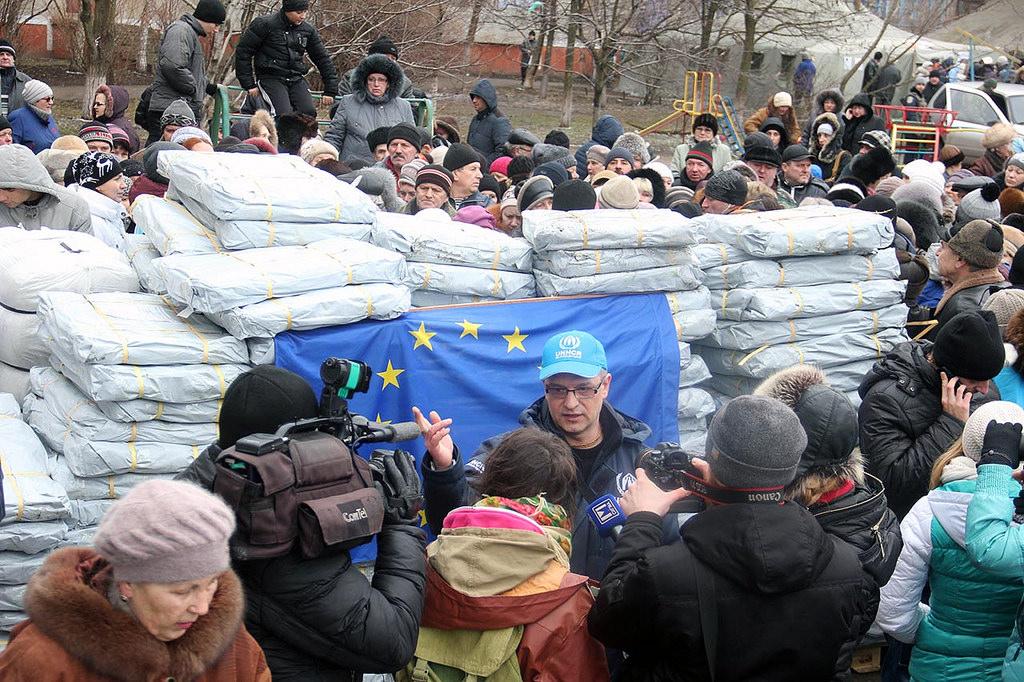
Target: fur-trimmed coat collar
x,y
384,65
72,625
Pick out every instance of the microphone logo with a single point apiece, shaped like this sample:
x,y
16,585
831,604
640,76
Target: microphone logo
x,y
606,510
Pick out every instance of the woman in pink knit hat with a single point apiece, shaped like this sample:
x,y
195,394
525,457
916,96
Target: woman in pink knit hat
x,y
154,599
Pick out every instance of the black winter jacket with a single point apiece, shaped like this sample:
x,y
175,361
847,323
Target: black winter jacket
x,y
612,473
321,619
278,48
854,128
903,429
863,519
787,596
489,129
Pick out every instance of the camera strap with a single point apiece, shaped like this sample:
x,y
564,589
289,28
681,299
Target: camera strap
x,y
713,493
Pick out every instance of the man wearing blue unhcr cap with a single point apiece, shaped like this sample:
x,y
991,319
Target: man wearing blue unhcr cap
x,y
604,442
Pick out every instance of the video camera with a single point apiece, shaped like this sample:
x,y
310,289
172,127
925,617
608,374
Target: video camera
x,y
670,467
304,484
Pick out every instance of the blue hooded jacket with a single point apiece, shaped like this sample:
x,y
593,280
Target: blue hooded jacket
x,y
605,132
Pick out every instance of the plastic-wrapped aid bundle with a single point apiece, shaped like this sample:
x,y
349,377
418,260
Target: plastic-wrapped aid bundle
x,y
214,283
172,229
36,261
263,187
36,511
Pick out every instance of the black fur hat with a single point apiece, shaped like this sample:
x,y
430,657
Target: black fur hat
x,y
657,184
873,165
378,63
924,221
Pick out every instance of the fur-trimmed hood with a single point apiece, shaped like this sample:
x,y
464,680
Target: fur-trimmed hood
x,y
67,601
830,93
262,118
118,100
828,418
378,63
835,144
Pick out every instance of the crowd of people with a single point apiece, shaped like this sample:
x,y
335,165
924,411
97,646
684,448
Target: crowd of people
x,y
816,523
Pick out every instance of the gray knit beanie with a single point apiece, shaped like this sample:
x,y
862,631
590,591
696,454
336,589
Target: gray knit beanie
x,y
974,430
755,442
166,532
728,186
980,204
597,153
35,90
636,145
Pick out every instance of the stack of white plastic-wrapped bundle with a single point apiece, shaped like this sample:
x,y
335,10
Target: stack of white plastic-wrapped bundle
x,y
623,252
263,245
815,285
35,261
35,511
134,391
451,262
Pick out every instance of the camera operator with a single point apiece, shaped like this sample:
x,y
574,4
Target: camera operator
x,y
605,444
321,619
755,590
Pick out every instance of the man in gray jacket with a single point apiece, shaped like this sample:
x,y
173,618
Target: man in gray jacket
x,y
181,64
12,81
29,198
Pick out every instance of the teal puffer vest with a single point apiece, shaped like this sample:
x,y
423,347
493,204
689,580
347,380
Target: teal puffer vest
x,y
965,635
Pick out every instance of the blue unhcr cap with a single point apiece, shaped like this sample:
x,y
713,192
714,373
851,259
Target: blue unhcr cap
x,y
572,352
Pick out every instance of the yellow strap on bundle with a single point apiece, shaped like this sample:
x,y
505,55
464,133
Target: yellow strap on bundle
x,y
782,276
875,322
871,267
195,332
586,232
799,299
792,330
11,478
597,262
849,235
133,461
790,241
268,280
752,354
878,345
496,288
725,300
860,294
111,491
287,312
369,305
271,233
113,328
139,380
220,378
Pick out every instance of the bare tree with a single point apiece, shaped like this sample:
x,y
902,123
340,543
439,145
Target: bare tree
x,y
16,13
99,29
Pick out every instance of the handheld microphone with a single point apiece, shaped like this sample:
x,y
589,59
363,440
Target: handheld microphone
x,y
392,433
607,516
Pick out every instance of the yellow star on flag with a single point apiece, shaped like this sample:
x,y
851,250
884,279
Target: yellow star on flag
x,y
382,421
390,376
515,340
422,337
470,329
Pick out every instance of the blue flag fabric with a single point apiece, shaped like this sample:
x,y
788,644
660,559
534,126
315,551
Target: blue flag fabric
x,y
479,365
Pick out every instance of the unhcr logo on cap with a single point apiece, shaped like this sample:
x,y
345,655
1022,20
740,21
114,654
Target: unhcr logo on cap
x,y
569,348
572,352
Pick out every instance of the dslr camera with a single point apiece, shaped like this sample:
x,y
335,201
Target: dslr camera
x,y
671,467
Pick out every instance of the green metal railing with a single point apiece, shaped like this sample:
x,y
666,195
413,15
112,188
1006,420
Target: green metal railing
x,y
223,117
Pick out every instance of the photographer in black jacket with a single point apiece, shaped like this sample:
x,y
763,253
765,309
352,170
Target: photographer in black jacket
x,y
278,44
755,590
321,619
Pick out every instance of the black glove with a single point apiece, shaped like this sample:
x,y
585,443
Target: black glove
x,y
394,477
211,89
1001,445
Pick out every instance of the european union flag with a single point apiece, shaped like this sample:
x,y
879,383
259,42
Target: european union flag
x,y
478,364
